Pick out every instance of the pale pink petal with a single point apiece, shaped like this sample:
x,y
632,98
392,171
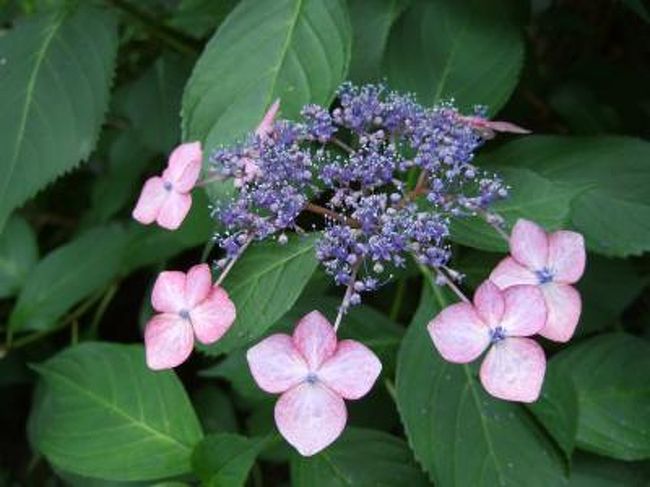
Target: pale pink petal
x,y
265,127
174,210
351,371
315,339
459,334
251,171
310,417
213,316
500,126
489,303
151,199
525,310
566,256
509,273
529,244
564,306
168,341
198,284
276,364
184,166
514,370
168,295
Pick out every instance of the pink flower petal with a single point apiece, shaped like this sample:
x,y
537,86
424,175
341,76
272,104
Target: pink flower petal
x,y
567,256
174,210
489,303
459,334
184,166
168,294
525,310
310,417
564,306
514,370
509,273
265,127
276,364
500,126
198,284
314,337
529,244
213,316
151,199
351,371
168,341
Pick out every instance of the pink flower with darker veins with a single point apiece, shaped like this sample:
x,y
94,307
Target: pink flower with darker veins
x,y
552,262
189,305
314,374
514,367
166,199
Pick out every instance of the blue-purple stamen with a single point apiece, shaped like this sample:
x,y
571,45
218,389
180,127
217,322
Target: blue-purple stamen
x,y
544,275
498,334
184,314
167,185
311,378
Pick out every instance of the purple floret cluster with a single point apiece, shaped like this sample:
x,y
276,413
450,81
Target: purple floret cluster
x,y
387,173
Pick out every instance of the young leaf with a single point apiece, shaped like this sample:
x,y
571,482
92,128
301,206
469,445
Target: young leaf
x,y
55,74
460,434
359,457
66,276
103,414
295,50
471,51
18,254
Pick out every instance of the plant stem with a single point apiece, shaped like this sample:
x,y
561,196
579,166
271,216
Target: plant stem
x,y
390,387
320,210
450,283
496,227
234,259
346,297
399,297
342,145
101,309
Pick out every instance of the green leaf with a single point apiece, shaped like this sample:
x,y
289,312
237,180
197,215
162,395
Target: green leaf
x,y
460,434
55,77
594,471
198,18
531,196
471,51
215,410
613,392
359,457
264,284
613,210
371,24
66,276
295,50
18,255
105,415
226,459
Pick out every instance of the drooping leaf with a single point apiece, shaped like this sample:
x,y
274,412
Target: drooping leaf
x,y
66,276
103,414
264,284
613,393
471,51
359,457
18,255
295,50
54,86
460,434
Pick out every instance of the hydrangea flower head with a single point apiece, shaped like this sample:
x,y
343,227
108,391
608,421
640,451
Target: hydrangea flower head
x,y
188,305
166,199
500,320
314,373
552,262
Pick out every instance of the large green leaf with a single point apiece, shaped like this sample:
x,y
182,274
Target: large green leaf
x,y
18,255
460,434
359,457
54,85
264,284
103,414
595,471
66,276
610,375
471,51
295,50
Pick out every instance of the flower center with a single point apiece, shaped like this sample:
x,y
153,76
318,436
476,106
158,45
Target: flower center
x,y
185,314
167,185
311,378
498,334
544,275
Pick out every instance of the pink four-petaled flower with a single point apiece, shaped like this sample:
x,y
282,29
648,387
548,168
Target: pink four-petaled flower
x,y
552,262
314,374
189,305
514,367
166,199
